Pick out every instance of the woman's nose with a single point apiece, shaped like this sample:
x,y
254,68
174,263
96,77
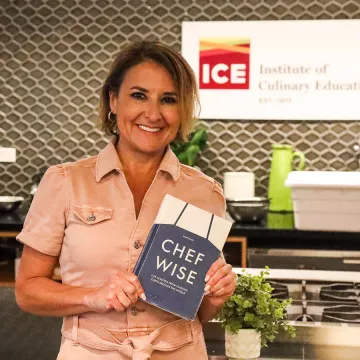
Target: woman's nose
x,y
152,111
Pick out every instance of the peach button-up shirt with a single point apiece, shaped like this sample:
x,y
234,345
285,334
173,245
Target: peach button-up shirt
x,y
84,213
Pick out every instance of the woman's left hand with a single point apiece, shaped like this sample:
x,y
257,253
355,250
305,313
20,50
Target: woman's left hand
x,y
220,282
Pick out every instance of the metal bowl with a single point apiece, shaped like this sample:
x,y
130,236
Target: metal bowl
x,y
10,203
249,200
250,210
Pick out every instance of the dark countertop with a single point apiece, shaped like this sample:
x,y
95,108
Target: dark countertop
x,y
278,231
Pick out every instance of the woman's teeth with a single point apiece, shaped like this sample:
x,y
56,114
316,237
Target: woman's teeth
x,y
149,129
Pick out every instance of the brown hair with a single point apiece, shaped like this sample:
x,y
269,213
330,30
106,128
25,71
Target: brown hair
x,y
180,71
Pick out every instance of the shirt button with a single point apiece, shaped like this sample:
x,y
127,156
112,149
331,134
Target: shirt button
x,y
134,311
91,217
137,244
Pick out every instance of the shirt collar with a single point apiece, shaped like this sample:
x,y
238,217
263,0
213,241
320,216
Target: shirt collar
x,y
170,164
108,160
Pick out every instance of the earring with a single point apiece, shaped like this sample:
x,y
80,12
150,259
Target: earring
x,y
109,117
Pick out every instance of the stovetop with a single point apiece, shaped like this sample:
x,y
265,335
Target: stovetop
x,y
320,301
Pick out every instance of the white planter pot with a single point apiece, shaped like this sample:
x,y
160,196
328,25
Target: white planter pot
x,y
245,345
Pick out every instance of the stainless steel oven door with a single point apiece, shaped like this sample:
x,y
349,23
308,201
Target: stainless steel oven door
x,y
335,260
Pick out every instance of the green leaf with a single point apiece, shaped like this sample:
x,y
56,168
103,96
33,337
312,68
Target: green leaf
x,y
247,304
187,152
192,152
183,158
249,317
199,138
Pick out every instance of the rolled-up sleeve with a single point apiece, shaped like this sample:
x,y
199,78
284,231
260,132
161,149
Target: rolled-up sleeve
x,y
45,222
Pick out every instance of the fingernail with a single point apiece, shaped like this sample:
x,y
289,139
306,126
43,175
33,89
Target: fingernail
x,y
207,293
143,296
207,287
207,278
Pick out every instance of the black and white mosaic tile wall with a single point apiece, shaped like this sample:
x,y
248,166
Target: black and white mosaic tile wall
x,y
55,54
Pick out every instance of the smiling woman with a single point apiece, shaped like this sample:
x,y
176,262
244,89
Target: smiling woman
x,y
93,217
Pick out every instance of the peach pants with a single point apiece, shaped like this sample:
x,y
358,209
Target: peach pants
x,y
85,340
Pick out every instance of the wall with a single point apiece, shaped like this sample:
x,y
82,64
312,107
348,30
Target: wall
x,y
55,54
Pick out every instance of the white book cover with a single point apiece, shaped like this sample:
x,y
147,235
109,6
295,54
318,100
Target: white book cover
x,y
193,219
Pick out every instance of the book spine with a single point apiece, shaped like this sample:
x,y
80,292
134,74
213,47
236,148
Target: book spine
x,y
145,250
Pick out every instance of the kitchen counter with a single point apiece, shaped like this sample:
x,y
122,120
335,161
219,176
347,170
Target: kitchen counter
x,y
278,231
312,342
283,351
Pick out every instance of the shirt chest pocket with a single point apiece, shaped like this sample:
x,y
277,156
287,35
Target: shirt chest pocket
x,y
89,237
91,215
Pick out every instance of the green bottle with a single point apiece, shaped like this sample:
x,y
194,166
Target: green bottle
x,y
281,165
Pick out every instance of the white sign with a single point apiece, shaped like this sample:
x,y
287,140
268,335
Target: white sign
x,y
295,70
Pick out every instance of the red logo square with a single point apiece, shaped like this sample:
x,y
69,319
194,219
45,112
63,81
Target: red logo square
x,y
224,64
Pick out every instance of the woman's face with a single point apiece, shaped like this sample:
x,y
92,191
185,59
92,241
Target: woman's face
x,y
147,109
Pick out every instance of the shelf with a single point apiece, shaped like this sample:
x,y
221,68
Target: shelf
x,y
8,234
7,274
243,241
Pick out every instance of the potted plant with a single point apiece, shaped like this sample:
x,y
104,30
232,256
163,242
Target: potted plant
x,y
187,152
252,318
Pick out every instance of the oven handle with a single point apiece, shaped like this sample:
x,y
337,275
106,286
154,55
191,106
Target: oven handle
x,y
351,261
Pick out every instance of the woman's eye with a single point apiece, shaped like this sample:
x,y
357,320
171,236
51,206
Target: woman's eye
x,y
169,100
138,95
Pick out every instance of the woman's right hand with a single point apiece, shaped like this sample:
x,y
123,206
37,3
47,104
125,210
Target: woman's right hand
x,y
119,293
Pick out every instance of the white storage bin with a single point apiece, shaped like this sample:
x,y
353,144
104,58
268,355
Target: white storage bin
x,y
325,200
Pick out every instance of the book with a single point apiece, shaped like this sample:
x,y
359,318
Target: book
x,y
181,246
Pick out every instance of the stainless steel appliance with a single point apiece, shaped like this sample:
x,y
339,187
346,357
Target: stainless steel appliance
x,y
336,260
320,301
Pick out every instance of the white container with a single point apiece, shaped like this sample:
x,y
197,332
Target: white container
x,y
245,345
326,200
239,185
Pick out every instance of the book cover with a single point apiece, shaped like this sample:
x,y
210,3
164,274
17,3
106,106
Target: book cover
x,y
181,246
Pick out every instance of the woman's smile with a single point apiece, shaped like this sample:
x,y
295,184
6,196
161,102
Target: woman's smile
x,y
149,129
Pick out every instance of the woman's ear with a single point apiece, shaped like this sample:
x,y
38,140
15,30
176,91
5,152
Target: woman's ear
x,y
113,102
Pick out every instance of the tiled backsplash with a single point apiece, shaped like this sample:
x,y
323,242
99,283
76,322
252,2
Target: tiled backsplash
x,y
55,55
